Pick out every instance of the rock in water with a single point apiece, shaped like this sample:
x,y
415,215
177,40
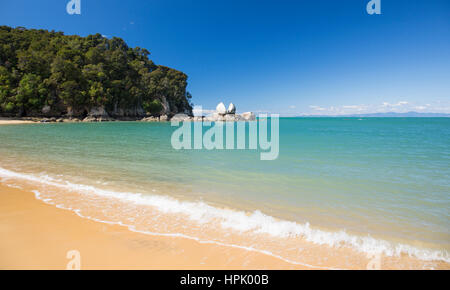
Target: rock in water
x,y
231,118
249,116
181,118
214,117
198,118
150,119
90,119
221,110
231,109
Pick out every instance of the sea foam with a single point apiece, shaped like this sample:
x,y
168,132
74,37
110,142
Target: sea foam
x,y
239,221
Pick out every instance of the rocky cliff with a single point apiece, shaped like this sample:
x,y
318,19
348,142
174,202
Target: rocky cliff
x,y
49,74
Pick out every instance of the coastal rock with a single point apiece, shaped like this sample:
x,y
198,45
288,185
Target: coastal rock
x,y
166,106
70,112
220,109
46,109
163,118
128,119
118,112
89,119
198,118
98,112
48,120
215,117
233,118
150,119
211,118
105,119
248,116
231,109
181,118
70,120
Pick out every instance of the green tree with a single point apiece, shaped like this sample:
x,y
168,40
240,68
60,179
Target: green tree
x,y
154,107
40,67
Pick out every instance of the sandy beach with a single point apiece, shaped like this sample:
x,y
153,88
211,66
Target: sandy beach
x,y
36,235
39,236
140,205
6,121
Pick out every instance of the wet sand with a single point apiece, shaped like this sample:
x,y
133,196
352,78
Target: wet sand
x,y
35,235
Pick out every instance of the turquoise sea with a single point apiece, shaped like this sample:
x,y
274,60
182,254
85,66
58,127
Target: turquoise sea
x,y
374,184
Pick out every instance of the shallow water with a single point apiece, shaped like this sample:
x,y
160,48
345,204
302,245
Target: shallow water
x,y
383,178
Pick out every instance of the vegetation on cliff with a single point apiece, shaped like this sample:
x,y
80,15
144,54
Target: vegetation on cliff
x,y
46,73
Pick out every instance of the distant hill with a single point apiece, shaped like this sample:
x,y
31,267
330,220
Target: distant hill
x,y
388,115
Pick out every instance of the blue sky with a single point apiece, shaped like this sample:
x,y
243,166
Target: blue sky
x,y
288,57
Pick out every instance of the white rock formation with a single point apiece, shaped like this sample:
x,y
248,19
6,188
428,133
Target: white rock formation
x,y
181,118
223,115
249,116
233,118
198,118
231,109
214,117
220,109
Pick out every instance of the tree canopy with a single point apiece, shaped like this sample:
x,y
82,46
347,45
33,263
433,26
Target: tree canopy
x,y
48,73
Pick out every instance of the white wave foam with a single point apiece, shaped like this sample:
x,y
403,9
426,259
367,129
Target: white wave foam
x,y
179,235
256,222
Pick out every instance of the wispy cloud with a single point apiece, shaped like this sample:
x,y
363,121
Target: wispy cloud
x,y
384,107
317,108
399,104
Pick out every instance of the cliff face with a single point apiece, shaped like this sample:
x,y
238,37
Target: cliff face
x,y
49,74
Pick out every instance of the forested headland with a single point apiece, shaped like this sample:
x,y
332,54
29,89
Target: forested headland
x,y
49,74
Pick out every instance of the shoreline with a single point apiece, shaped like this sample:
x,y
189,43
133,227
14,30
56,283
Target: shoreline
x,y
40,235
111,245
12,121
245,117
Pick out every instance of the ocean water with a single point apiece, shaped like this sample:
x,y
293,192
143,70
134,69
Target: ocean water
x,y
374,185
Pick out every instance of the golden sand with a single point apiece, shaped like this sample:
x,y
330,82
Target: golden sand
x,y
14,122
35,235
